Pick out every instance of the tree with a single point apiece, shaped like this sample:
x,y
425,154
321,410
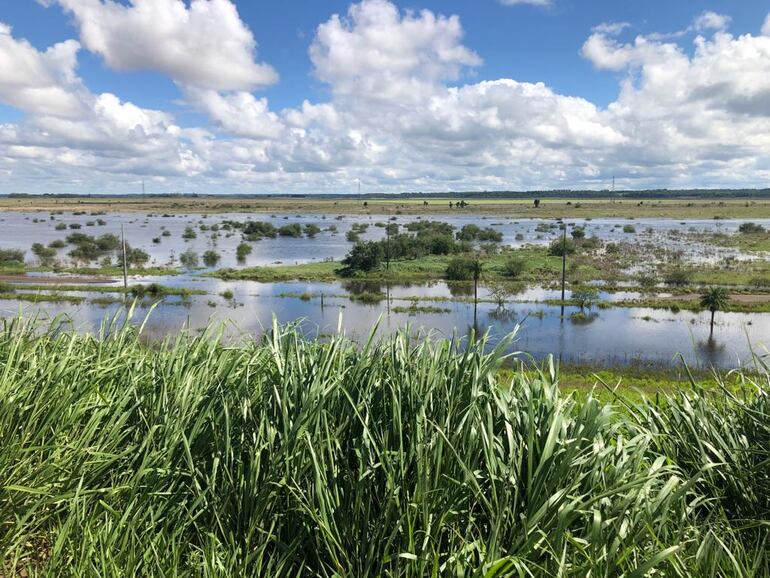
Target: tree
x,y
363,257
537,203
585,297
714,299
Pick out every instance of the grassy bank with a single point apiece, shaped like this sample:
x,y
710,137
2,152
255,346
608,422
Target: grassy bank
x,y
404,458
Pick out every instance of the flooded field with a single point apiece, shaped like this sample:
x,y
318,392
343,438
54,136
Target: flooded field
x,y
606,335
613,336
163,238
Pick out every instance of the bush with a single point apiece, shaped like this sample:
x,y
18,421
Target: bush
x,y
189,259
629,229
42,252
210,258
134,257
189,233
312,230
462,268
678,277
364,256
514,267
750,228
11,257
291,230
242,251
559,247
254,230
585,297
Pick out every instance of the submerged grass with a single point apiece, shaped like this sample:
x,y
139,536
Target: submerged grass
x,y
404,457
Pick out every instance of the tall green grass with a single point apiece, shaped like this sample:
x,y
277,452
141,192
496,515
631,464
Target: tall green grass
x,y
405,457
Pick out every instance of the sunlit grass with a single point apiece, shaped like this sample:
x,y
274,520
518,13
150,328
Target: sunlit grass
x,y
403,457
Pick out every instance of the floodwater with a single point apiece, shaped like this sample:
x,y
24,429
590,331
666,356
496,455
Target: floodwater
x,y
19,230
613,336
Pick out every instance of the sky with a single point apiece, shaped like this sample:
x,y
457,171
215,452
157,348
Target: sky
x,y
313,96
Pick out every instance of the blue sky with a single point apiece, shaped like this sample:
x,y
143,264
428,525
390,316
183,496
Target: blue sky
x,y
525,43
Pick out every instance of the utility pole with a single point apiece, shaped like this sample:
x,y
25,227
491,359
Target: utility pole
x,y
125,262
387,245
359,186
563,264
142,187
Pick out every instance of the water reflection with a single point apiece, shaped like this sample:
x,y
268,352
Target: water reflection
x,y
610,336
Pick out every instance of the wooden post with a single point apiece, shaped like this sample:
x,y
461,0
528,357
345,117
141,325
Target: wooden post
x,y
125,262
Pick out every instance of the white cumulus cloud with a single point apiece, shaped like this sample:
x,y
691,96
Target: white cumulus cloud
x,y
204,44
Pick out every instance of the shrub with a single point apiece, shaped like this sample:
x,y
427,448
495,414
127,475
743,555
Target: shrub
x,y
210,258
189,259
311,230
189,233
461,268
45,254
559,247
290,230
585,297
750,228
629,229
678,277
11,257
242,251
514,267
134,257
364,256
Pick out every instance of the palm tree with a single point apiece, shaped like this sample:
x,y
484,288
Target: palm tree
x,y
714,299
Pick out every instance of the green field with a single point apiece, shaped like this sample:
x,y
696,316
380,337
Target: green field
x,y
399,458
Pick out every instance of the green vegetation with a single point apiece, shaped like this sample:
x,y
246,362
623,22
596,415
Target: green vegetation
x,y
242,251
189,259
210,258
13,257
404,458
414,309
159,291
714,299
311,230
290,230
252,230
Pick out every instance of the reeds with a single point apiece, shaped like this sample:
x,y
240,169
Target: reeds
x,y
401,457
